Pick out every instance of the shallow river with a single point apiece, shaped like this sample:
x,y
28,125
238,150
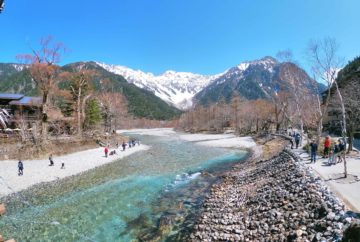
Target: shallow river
x,y
150,195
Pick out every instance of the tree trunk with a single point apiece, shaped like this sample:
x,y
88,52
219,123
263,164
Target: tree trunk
x,y
319,130
322,113
277,118
343,131
78,104
44,119
351,141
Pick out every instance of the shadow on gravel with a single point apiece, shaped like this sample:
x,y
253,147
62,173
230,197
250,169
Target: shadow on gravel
x,y
339,178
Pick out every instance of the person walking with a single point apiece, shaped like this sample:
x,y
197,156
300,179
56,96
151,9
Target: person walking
x,y
123,145
291,142
313,150
20,168
341,153
51,160
106,150
297,140
333,153
327,145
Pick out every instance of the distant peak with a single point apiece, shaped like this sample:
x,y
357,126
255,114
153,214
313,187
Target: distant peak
x,y
267,61
169,72
269,58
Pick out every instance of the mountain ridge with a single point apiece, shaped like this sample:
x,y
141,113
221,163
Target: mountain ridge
x,y
257,79
251,79
141,103
176,88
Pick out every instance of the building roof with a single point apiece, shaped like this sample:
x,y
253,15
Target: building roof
x,y
27,101
10,96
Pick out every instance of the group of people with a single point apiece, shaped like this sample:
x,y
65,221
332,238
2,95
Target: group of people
x,y
130,143
21,165
295,137
108,152
334,153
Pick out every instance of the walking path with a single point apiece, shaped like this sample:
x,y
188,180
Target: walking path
x,y
348,189
36,171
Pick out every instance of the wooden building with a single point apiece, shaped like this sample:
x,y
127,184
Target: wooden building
x,y
23,110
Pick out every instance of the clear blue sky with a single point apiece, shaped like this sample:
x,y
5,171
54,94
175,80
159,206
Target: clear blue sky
x,y
202,36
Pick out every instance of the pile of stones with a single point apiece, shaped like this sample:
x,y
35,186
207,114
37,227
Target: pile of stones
x,y
274,200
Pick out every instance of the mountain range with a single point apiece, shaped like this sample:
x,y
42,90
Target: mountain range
x,y
176,88
14,78
258,79
161,96
251,80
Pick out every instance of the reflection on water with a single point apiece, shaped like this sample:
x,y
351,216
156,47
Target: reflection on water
x,y
151,195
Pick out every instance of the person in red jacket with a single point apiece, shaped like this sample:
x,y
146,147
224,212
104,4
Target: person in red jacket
x,y
106,150
327,145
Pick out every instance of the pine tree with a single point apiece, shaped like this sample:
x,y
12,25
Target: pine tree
x,y
93,113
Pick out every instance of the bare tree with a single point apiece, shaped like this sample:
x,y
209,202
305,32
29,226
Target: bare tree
x,y
281,104
44,72
285,56
80,89
325,65
114,105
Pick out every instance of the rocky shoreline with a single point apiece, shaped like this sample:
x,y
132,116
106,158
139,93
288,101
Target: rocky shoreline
x,y
278,199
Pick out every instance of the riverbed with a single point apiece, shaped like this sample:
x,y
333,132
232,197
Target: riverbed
x,y
152,194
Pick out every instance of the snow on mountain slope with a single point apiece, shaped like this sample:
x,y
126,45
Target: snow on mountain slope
x,y
256,79
176,88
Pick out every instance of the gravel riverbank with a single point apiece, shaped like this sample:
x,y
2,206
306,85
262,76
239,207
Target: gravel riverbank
x,y
274,200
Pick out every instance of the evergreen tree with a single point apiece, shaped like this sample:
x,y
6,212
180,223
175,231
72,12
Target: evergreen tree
x,y
93,113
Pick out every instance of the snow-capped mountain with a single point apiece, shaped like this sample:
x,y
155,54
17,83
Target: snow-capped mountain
x,y
176,88
256,79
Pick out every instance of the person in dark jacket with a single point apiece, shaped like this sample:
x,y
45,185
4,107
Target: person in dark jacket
x,y
51,160
313,150
123,146
341,153
292,142
297,140
20,168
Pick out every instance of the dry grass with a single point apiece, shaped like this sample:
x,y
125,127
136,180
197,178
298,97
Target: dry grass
x,y
271,147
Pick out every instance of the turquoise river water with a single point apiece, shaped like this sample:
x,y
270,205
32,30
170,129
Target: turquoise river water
x,y
151,195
